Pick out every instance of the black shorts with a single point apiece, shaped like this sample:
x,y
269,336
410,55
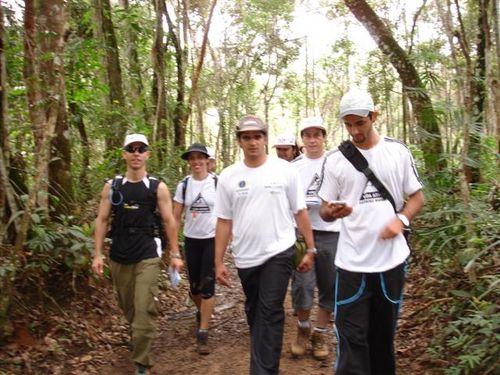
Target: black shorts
x,y
200,258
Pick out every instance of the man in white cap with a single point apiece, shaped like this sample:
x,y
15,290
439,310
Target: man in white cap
x,y
135,255
372,250
286,147
211,160
254,200
322,276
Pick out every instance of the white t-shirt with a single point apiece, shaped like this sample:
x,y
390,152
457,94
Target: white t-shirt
x,y
359,248
259,201
310,176
199,216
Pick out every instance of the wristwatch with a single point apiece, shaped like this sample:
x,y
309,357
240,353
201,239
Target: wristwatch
x,y
404,220
176,256
312,251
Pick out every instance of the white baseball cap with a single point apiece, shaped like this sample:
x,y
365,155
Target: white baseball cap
x,y
312,122
356,102
211,153
131,138
285,140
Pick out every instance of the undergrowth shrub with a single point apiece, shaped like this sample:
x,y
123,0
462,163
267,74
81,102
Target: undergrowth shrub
x,y
466,267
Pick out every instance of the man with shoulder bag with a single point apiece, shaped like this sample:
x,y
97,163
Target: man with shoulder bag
x,y
372,250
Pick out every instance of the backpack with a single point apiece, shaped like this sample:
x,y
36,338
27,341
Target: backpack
x,y
185,183
116,199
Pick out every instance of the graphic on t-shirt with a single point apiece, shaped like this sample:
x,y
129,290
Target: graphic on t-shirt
x,y
370,195
312,191
199,205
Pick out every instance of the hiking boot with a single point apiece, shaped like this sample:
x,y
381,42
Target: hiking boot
x,y
202,342
319,345
141,370
300,344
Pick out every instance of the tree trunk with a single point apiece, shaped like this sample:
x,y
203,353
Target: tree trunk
x,y
7,205
197,71
478,95
4,131
83,180
159,89
44,112
180,105
117,125
430,139
51,26
134,66
33,87
76,118
495,79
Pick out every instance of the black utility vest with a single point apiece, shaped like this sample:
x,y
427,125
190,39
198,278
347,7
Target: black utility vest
x,y
133,225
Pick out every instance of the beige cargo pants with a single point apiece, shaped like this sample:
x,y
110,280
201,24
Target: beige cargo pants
x,y
136,286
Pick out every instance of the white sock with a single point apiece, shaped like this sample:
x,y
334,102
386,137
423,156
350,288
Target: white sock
x,y
320,329
304,323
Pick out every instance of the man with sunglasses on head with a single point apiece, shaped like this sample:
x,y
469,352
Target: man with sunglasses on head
x,y
132,202
255,201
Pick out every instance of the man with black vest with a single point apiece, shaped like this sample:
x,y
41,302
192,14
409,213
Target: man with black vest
x,y
133,202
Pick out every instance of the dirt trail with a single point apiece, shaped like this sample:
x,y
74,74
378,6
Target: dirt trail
x,y
90,336
175,345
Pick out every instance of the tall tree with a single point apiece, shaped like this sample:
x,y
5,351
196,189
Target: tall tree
x,y
136,85
430,139
180,88
43,94
117,123
4,131
469,63
159,88
52,24
495,77
193,92
81,35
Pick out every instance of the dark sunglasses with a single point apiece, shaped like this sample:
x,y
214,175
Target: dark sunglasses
x,y
139,149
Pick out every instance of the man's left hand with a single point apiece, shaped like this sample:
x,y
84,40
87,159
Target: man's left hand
x,y
392,229
176,263
306,263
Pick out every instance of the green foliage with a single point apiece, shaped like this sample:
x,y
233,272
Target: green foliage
x,y
59,246
469,340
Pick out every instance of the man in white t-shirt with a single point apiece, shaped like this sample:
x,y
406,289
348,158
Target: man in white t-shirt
x,y
309,165
254,202
372,250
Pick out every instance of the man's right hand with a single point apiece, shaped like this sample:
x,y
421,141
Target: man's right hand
x,y
98,265
331,211
222,275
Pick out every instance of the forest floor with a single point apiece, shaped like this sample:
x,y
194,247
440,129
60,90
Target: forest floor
x,y
88,335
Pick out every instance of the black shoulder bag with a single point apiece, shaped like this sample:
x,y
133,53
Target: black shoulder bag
x,y
359,162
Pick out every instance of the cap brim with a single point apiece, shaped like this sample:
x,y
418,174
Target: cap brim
x,y
251,128
356,112
186,154
313,127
